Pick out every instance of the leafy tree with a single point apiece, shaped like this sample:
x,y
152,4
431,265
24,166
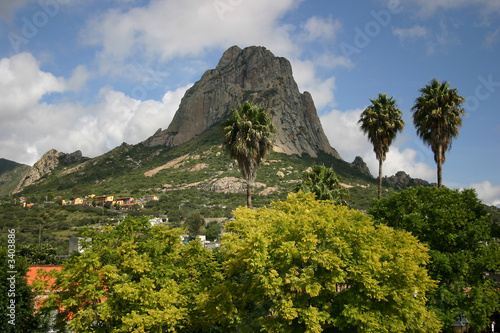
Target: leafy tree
x,y
248,134
213,230
325,184
437,115
14,288
381,121
43,254
194,224
305,265
135,278
457,229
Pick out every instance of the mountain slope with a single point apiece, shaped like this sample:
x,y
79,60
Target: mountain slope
x,y
11,174
199,167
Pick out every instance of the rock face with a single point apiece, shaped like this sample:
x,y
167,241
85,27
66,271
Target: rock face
x,y
361,165
45,165
229,185
402,180
252,74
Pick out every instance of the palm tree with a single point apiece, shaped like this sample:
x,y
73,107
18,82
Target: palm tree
x,y
381,121
248,137
437,116
325,183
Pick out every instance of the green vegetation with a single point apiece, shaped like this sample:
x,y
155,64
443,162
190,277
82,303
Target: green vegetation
x,y
299,266
135,278
437,115
16,317
10,175
312,266
194,225
325,184
458,231
381,122
248,137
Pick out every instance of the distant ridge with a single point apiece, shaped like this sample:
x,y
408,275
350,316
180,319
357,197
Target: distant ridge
x,y
11,174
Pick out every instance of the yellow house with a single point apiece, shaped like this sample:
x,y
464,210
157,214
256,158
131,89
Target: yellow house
x,y
103,199
77,201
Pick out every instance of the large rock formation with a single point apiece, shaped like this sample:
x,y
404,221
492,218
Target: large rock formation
x,y
256,75
44,166
401,180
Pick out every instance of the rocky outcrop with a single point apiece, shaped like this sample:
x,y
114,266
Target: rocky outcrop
x,y
229,185
252,74
402,180
44,166
359,164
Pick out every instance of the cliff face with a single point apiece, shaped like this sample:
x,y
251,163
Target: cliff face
x,y
45,165
256,75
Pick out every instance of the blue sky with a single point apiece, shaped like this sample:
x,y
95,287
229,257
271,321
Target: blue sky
x,y
90,75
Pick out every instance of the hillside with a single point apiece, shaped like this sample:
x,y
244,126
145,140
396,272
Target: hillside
x,y
10,174
198,165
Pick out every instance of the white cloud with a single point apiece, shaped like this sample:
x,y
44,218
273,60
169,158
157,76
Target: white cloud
x,y
79,78
154,30
23,84
489,193
344,134
410,33
93,129
316,28
152,33
440,40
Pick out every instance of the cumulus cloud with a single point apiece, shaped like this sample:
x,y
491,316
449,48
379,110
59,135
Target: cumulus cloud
x,y
488,192
304,73
30,126
151,33
93,129
342,130
22,84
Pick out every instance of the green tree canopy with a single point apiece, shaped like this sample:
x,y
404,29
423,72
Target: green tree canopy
x,y
457,229
135,278
381,121
248,137
325,184
194,224
437,115
17,316
304,265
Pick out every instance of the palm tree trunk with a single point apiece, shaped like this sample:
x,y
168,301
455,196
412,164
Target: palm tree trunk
x,y
249,192
439,167
380,178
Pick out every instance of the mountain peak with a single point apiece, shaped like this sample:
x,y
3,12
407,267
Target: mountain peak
x,y
251,74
